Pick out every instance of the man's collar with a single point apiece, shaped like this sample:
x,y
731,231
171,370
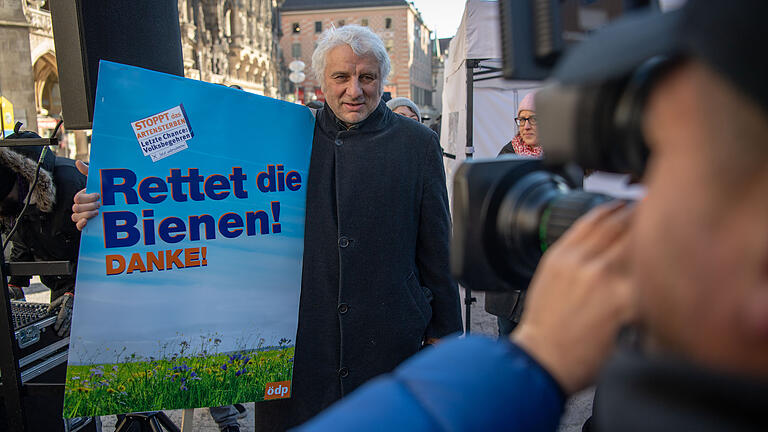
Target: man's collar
x,y
343,126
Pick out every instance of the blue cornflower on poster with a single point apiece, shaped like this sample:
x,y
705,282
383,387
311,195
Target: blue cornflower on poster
x,y
188,280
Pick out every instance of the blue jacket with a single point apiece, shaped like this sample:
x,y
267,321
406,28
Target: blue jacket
x,y
472,384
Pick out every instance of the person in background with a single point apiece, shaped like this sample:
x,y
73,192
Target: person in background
x,y
44,232
508,306
435,126
226,417
405,107
315,104
526,141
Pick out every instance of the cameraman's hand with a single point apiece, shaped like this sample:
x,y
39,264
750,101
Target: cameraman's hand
x,y
86,205
579,298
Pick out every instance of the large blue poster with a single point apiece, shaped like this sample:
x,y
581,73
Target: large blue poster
x,y
188,281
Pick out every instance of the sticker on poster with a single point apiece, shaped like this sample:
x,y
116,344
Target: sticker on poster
x,y
163,134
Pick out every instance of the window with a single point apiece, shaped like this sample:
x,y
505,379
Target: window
x,y
389,44
340,23
296,50
228,23
318,26
388,23
296,28
421,96
364,22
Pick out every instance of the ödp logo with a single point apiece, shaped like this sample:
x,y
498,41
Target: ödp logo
x,y
277,390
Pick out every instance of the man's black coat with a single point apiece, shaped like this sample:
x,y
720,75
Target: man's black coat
x,y
376,279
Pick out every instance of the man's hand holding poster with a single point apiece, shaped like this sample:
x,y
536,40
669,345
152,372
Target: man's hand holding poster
x,y
188,280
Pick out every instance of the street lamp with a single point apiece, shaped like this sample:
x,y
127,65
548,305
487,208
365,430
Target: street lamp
x,y
297,75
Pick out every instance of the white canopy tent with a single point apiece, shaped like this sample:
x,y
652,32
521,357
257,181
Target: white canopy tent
x,y
479,107
472,85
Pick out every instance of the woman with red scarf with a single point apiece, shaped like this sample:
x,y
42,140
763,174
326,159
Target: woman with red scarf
x,y
526,142
508,306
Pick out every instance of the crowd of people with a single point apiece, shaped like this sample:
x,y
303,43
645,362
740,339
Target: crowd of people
x,y
686,268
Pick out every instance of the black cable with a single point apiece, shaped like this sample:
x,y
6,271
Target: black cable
x,y
31,188
56,129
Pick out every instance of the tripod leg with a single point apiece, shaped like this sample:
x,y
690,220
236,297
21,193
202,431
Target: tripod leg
x,y
135,422
128,424
120,425
167,423
154,425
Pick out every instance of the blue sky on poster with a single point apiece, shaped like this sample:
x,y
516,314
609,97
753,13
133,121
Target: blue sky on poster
x,y
250,288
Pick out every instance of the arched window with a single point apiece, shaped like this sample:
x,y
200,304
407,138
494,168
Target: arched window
x,y
47,96
228,24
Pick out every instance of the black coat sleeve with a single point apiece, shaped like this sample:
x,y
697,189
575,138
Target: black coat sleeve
x,y
433,246
20,252
507,149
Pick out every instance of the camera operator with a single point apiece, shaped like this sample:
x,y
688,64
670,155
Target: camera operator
x,y
45,231
688,266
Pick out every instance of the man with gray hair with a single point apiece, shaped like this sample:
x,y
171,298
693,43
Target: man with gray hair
x,y
376,284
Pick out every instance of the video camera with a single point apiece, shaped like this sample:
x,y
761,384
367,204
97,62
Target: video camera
x,y
507,212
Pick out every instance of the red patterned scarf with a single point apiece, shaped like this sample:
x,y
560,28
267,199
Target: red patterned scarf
x,y
524,149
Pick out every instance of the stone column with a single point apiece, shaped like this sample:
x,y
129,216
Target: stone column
x,y
16,78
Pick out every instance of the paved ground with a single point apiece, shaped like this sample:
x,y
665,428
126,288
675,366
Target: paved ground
x,y
578,407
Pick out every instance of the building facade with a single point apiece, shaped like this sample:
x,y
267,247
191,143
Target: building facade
x,y
29,77
230,42
440,52
17,84
397,22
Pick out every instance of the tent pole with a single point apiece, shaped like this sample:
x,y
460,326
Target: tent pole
x,y
470,149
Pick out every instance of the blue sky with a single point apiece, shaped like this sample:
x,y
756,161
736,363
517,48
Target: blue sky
x,y
441,16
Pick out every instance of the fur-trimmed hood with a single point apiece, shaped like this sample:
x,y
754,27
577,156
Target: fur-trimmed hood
x,y
20,160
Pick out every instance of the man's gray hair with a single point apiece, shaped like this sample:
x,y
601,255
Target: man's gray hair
x,y
362,41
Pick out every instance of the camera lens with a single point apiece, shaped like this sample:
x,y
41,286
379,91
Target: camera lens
x,y
532,215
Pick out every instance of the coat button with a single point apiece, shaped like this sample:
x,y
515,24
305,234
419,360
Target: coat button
x,y
343,308
343,241
343,372
338,142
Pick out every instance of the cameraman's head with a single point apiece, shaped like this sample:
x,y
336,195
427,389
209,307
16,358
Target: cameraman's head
x,y
701,261
697,99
